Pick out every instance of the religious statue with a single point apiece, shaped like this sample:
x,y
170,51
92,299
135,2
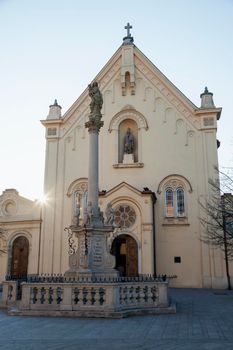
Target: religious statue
x,y
128,142
89,217
78,211
110,214
101,215
96,99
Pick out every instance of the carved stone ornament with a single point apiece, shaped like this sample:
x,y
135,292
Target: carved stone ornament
x,y
94,125
173,184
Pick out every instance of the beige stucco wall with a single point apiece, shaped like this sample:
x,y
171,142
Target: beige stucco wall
x,y
172,140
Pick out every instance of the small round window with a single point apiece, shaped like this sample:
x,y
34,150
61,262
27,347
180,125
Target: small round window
x,y
125,216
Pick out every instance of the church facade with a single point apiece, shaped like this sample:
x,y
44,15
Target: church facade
x,y
157,152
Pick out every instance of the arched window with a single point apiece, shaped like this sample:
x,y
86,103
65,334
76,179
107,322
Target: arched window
x,y
175,189
169,202
180,207
174,202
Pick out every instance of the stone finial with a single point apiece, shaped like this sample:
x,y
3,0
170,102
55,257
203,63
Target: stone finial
x,y
54,111
207,99
128,39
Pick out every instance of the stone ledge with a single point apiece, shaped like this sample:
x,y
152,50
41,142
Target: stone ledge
x,y
175,221
131,165
171,309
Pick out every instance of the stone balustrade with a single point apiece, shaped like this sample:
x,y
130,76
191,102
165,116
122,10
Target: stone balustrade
x,y
116,297
110,299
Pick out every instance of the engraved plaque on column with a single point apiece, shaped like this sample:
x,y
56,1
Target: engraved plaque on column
x,y
98,252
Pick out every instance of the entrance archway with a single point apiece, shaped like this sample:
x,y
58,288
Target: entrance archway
x,y
19,262
125,249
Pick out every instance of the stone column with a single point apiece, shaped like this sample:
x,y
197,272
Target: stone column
x,y
91,257
94,126
93,171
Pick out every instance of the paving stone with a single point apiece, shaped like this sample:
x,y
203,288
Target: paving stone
x,y
203,321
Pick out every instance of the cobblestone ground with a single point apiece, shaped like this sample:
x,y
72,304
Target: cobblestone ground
x,y
204,320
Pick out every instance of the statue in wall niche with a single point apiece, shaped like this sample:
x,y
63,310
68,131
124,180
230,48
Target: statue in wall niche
x,y
129,142
96,99
110,215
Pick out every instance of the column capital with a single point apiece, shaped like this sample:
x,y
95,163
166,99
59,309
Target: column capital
x,y
94,124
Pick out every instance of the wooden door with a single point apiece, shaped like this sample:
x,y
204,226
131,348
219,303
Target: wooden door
x,y
131,257
19,263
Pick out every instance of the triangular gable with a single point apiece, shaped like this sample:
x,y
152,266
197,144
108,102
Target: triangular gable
x,y
80,108
121,186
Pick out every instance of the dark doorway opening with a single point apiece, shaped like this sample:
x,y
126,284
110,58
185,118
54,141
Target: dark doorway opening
x,y
19,262
125,249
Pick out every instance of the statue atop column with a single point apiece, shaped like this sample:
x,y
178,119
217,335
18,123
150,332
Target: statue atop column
x,y
92,256
129,142
96,99
94,124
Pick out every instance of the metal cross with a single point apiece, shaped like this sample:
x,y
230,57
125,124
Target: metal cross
x,y
128,27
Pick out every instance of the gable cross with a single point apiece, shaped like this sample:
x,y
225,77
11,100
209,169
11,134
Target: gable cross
x,y
128,27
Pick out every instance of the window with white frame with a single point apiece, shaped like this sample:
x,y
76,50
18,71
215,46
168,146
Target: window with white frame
x,y
174,202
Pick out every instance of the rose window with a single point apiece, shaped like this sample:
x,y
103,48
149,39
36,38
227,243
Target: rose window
x,y
125,216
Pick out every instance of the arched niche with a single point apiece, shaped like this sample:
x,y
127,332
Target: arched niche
x,y
128,113
127,124
77,191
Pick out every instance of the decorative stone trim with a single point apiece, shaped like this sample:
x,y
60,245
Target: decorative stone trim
x,y
133,165
77,185
174,181
128,114
9,207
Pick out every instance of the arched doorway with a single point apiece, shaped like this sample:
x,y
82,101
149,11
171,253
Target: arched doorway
x,y
19,261
125,249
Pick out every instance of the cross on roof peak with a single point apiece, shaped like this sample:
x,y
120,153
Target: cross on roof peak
x,y
128,39
128,27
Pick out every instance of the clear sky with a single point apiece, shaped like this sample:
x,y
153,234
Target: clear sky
x,y
53,48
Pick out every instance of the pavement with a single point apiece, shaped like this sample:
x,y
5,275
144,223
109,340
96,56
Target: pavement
x,y
204,321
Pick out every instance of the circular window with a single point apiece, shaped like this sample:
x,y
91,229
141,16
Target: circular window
x,y
125,216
